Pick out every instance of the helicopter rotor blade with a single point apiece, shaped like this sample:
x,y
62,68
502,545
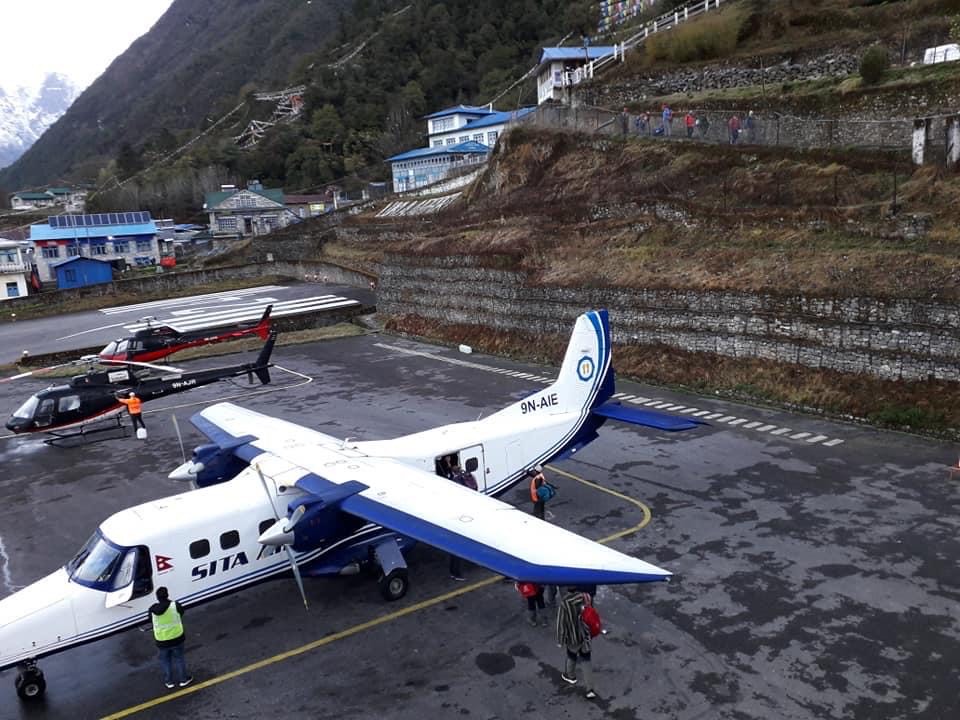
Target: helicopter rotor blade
x,y
162,368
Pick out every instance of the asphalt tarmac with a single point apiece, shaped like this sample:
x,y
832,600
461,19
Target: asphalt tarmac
x,y
98,327
812,580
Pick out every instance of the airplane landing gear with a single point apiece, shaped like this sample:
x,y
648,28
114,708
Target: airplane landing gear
x,y
393,580
394,586
30,683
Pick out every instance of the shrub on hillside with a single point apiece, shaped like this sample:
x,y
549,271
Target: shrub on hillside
x,y
873,64
710,36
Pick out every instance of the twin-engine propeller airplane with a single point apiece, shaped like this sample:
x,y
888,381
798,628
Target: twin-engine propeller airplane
x,y
273,496
91,399
158,340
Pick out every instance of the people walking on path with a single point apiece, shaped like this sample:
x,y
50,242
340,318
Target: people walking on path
x,y
574,636
689,122
533,594
667,119
733,125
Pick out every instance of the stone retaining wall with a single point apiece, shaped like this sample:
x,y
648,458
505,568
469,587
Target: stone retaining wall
x,y
772,71
890,339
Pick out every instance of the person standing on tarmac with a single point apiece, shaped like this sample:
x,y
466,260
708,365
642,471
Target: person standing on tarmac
x,y
167,618
540,491
133,404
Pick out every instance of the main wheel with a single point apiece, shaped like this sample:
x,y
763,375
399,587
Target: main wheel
x,y
394,586
31,685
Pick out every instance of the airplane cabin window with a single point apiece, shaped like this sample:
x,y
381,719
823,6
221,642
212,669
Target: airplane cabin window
x,y
229,540
199,549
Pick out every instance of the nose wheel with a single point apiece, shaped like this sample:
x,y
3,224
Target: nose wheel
x,y
30,683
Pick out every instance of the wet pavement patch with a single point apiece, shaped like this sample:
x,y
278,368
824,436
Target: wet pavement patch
x,y
495,663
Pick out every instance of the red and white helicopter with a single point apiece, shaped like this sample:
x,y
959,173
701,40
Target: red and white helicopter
x,y
271,495
157,340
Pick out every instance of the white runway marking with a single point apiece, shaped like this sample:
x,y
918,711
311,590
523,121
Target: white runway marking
x,y
730,420
204,319
192,299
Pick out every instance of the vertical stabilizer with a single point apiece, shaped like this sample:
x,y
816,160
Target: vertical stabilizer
x,y
585,379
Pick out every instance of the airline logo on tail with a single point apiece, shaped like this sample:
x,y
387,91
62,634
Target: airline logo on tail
x,y
585,368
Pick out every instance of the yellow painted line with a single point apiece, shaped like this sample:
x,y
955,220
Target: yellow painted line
x,y
390,617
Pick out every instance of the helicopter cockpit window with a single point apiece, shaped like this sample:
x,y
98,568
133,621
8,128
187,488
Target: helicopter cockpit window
x,y
68,403
27,410
44,414
101,565
123,346
110,349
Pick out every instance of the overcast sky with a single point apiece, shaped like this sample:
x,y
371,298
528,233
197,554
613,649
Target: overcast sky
x,y
78,38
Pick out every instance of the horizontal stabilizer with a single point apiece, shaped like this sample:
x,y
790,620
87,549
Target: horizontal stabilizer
x,y
646,418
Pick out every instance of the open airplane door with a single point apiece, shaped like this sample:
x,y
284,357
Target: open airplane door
x,y
471,460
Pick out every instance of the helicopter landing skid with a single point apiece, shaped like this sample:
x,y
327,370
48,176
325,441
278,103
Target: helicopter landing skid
x,y
88,434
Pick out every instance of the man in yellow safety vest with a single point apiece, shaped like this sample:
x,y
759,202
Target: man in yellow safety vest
x,y
167,618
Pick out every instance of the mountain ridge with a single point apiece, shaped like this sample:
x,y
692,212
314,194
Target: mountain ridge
x,y
26,113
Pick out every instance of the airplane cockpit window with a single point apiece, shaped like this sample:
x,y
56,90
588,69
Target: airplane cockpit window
x,y
68,403
27,410
101,565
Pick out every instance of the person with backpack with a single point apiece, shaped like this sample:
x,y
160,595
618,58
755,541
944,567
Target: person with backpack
x,y
533,594
578,622
541,492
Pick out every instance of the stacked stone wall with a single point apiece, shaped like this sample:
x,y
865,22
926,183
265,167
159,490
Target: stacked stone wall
x,y
886,338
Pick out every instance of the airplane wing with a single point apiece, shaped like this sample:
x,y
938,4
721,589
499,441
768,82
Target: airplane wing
x,y
424,506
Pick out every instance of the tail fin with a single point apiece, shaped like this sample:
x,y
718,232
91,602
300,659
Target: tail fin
x,y
586,376
263,327
262,367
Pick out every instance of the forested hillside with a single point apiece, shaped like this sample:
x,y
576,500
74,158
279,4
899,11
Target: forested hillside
x,y
372,67
187,70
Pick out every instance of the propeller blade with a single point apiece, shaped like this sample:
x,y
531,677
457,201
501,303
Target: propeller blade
x,y
176,426
280,533
293,519
296,576
266,489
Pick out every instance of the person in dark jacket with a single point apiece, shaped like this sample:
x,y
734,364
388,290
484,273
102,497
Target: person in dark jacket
x,y
575,638
167,618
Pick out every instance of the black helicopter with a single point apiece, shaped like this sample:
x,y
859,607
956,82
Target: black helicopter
x,y
91,398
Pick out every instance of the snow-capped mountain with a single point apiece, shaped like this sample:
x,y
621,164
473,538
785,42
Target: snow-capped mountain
x,y
26,112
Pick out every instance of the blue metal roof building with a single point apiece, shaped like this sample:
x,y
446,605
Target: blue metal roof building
x,y
124,238
465,136
561,68
82,271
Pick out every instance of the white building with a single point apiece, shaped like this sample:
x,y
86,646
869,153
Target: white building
x,y
256,210
561,68
14,269
71,200
457,137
